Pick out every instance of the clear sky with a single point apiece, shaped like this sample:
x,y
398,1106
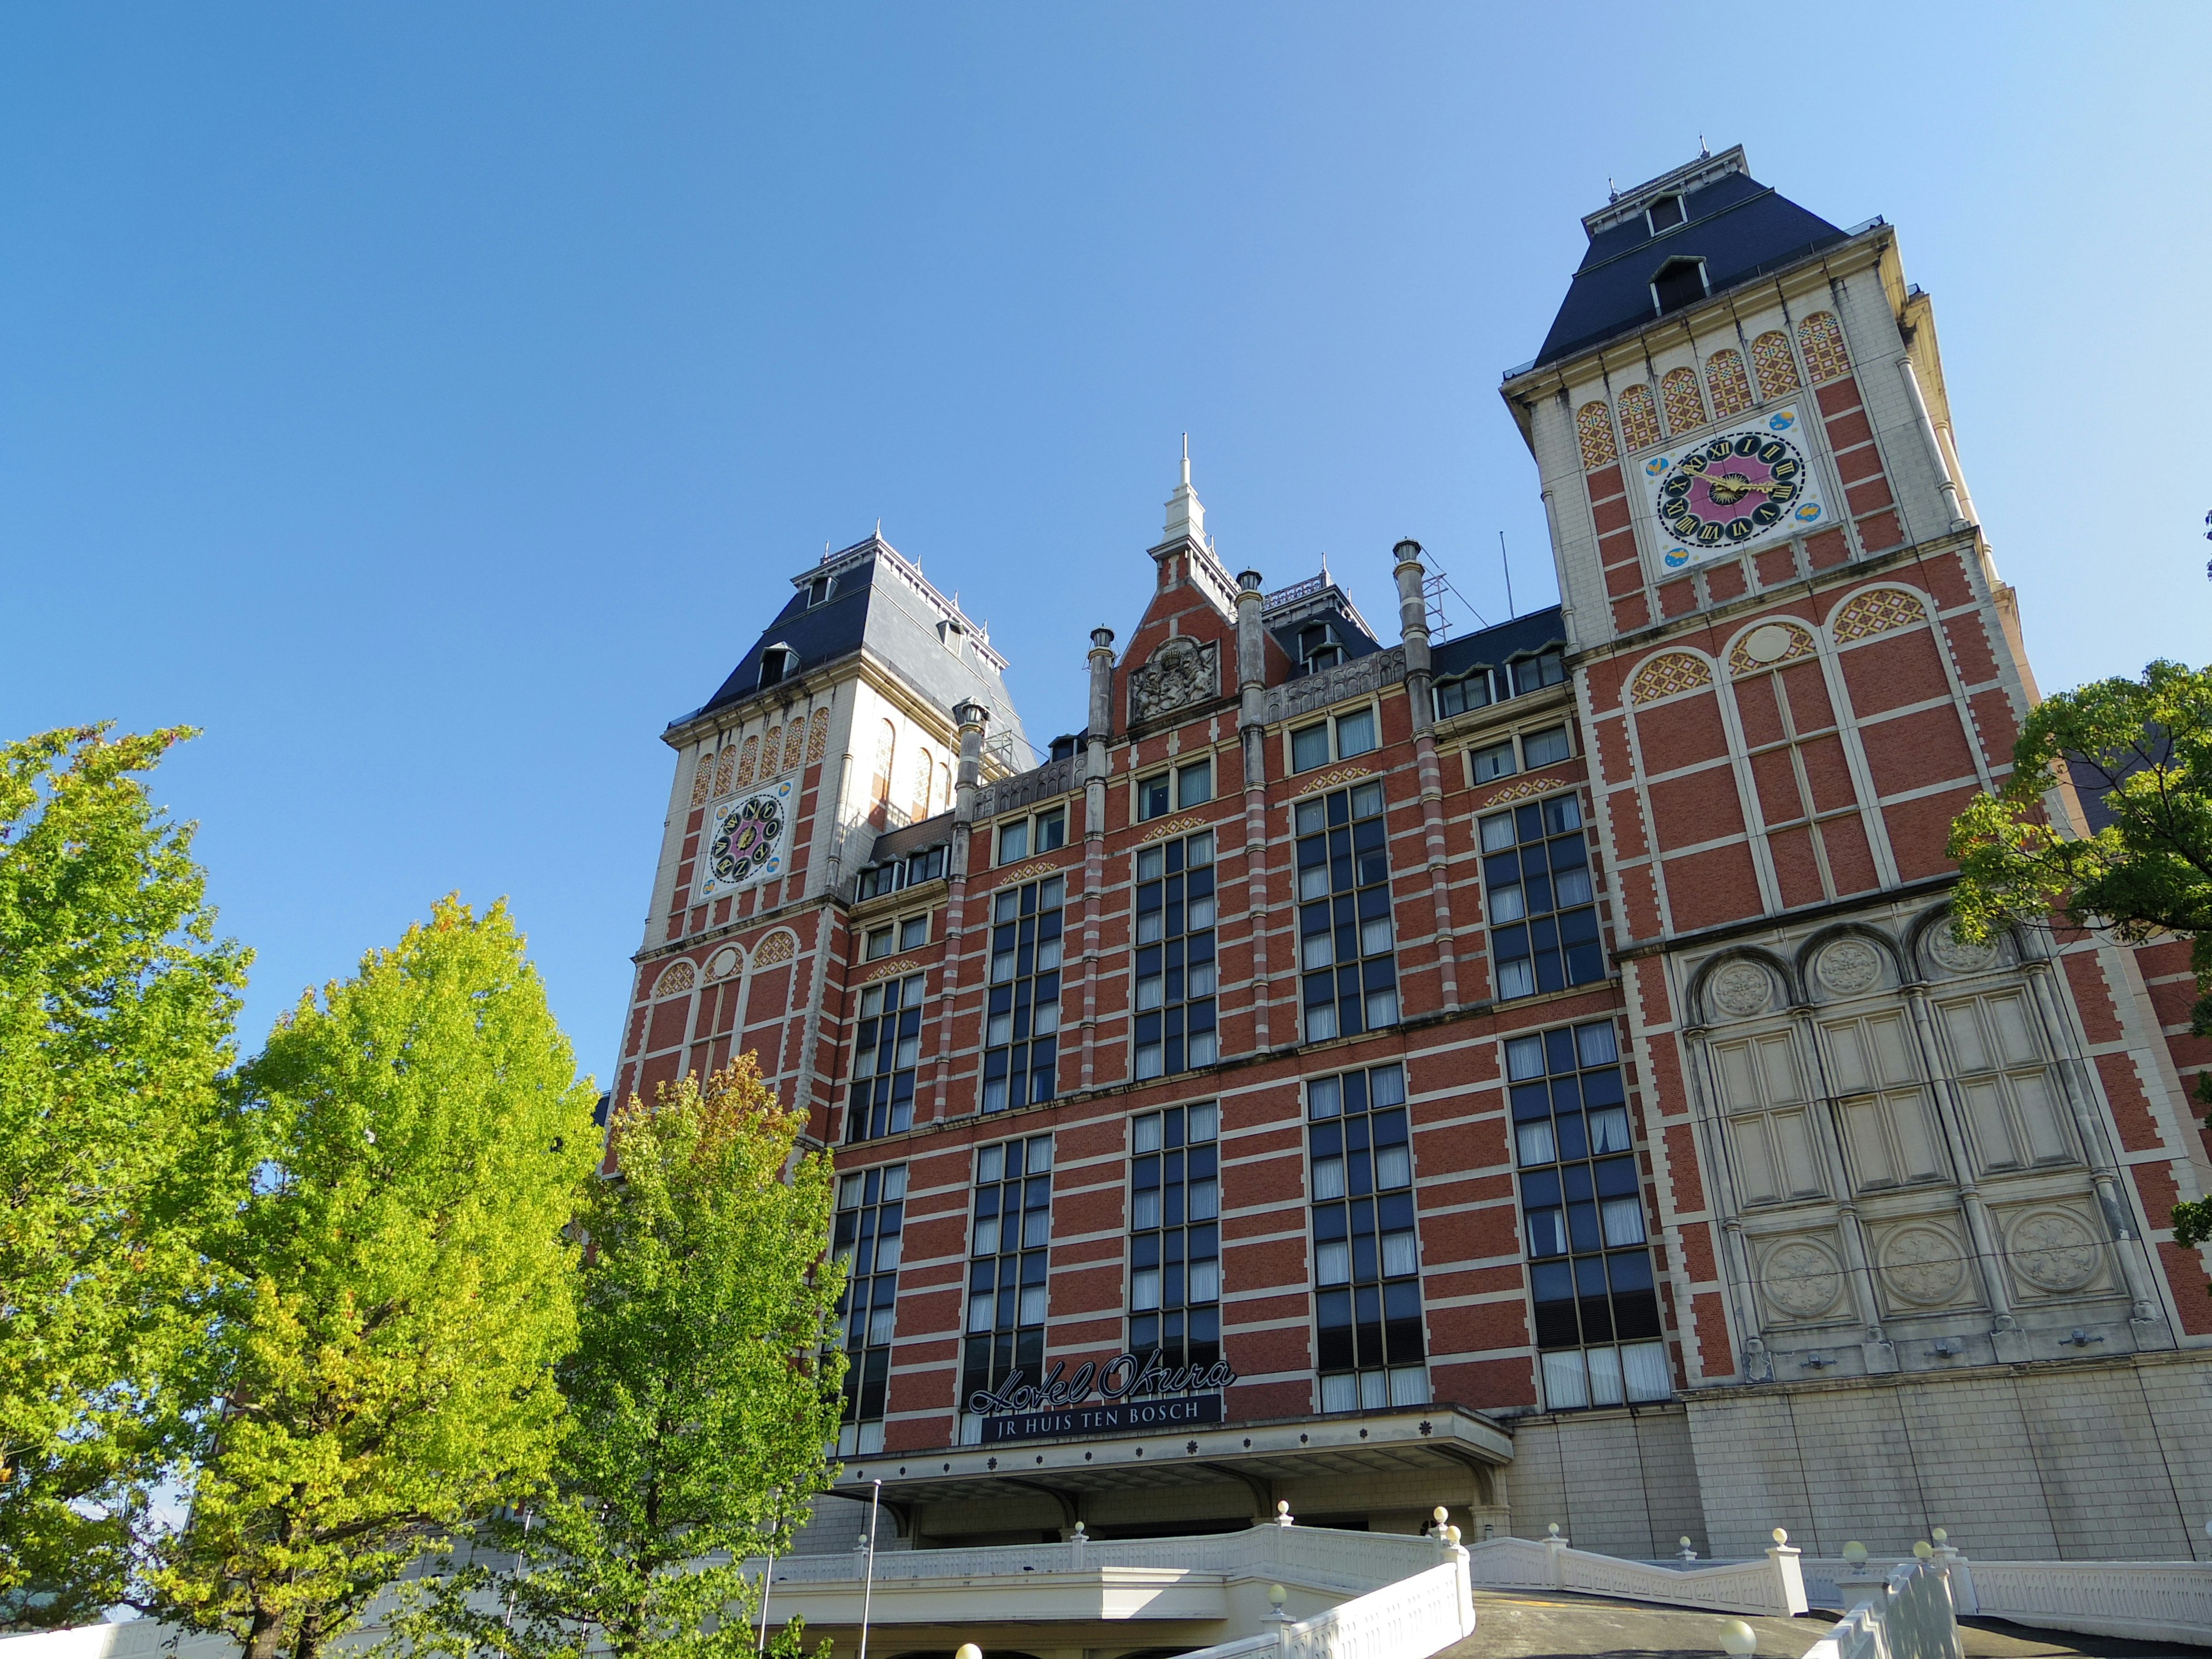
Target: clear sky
x,y
432,401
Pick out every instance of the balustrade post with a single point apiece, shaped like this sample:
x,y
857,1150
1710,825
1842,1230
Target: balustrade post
x,y
1555,1552
1789,1574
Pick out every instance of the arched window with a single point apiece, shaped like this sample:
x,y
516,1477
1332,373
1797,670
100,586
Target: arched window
x,y
679,976
1594,426
1686,407
1729,384
945,784
748,758
1820,338
924,772
794,745
702,778
880,786
818,735
1640,417
725,771
1776,368
771,753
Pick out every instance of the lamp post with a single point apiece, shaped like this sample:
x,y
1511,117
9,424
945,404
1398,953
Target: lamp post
x,y
868,1584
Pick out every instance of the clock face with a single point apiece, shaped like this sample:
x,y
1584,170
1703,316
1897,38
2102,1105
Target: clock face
x,y
1732,489
745,841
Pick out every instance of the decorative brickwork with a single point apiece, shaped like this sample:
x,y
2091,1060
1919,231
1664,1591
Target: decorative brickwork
x,y
1543,783
1640,417
1668,673
702,779
1594,426
725,962
1686,407
794,745
771,753
1821,339
776,947
747,757
677,977
1880,612
730,770
818,735
1777,369
1769,646
1730,386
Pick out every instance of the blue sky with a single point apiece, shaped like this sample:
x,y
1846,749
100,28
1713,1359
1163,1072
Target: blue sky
x,y
430,402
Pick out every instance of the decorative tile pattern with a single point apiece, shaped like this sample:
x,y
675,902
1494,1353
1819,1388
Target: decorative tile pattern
x,y
1820,338
1668,673
1882,610
1769,646
776,947
818,735
732,768
1540,783
747,756
677,977
1594,425
1685,404
1776,368
702,779
725,962
771,753
1729,384
794,745
1640,417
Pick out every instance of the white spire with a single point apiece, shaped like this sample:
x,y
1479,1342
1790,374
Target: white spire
x,y
1185,513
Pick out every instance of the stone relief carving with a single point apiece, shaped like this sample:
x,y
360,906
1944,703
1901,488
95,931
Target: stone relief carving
x,y
1369,673
1922,1264
1953,955
1849,966
1743,989
1802,1280
1183,671
2053,1251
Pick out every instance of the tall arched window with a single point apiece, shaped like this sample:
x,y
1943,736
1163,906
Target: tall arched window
x,y
1639,416
1594,426
1729,384
1776,369
925,773
1685,406
1820,338
880,785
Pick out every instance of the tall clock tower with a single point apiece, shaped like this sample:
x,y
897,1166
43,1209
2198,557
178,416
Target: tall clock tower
x,y
1884,1154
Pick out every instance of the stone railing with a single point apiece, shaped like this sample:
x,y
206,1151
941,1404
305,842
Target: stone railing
x,y
1320,1556
2143,1600
1413,1618
1772,1585
1909,1617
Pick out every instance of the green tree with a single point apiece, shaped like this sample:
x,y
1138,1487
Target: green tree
x,y
2147,873
389,1367
116,1003
703,1392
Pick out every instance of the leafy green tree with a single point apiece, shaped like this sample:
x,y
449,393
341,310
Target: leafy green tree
x,y
389,1367
116,1003
703,1394
2149,872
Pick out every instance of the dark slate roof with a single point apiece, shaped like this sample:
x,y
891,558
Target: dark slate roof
x,y
1741,228
880,601
912,838
1318,599
1492,648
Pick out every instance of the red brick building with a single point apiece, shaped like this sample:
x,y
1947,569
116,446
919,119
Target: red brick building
x,y
1532,1071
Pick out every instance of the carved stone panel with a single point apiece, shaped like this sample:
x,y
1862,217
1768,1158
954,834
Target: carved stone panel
x,y
1182,672
1739,989
1951,955
2054,1251
1922,1264
1802,1279
1888,1114
1849,966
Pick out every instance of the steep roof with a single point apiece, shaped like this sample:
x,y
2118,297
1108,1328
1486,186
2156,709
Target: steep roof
x,y
1738,227
879,601
1494,647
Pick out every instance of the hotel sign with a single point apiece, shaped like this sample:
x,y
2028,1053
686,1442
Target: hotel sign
x,y
1124,1394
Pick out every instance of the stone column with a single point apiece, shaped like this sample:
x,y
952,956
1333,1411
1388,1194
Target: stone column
x,y
1096,763
1252,743
1413,629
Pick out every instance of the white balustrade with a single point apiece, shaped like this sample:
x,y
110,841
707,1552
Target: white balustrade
x,y
1770,1585
1413,1618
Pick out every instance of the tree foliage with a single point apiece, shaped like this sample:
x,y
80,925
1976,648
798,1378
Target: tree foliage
x,y
406,1286
116,1003
702,1393
2148,744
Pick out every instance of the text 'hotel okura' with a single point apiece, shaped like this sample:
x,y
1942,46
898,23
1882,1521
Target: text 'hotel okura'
x,y
1532,1071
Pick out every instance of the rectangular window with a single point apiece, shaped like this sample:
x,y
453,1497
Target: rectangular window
x,y
1338,737
1543,905
1174,1239
913,932
1022,1020
926,865
1546,747
1152,797
879,943
1457,696
1014,842
1535,673
886,1048
1369,1342
1478,687
1194,784
878,879
1597,1305
1494,761
1346,939
1175,1030
1007,1241
871,1210
1044,833
1052,829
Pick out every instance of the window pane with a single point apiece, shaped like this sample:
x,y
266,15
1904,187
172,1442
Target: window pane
x,y
1194,783
1355,733
1605,1376
1340,1393
1328,1177
1546,747
1309,748
1644,1367
1152,797
1566,1385
1494,762
1409,1386
1624,1221
1013,842
1052,829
